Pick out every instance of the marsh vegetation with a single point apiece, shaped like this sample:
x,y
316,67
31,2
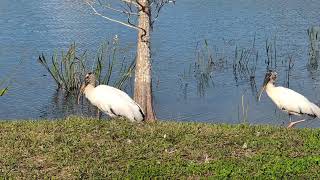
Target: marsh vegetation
x,y
178,46
110,66
210,61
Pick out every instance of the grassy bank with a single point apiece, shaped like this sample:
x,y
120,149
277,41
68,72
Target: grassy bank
x,y
86,148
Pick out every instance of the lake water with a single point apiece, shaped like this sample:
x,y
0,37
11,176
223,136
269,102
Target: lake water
x,y
29,28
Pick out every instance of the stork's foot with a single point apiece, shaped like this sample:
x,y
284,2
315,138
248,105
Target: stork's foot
x,y
295,122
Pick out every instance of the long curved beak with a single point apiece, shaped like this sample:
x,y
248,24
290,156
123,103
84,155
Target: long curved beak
x,y
80,92
265,82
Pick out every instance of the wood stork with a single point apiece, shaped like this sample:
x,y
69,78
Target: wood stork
x,y
110,100
288,100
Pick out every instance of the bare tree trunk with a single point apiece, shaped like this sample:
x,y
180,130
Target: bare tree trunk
x,y
143,80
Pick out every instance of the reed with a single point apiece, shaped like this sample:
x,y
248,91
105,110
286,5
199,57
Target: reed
x,y
314,42
271,51
200,71
68,69
3,87
245,64
245,109
107,61
3,91
65,70
203,67
184,79
289,67
205,64
6,81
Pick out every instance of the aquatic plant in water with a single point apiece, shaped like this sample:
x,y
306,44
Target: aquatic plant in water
x,y
68,69
245,64
65,69
3,91
243,114
108,61
202,69
271,51
5,82
314,42
3,87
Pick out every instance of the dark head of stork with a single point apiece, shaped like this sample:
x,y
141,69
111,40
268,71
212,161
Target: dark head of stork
x,y
270,77
88,79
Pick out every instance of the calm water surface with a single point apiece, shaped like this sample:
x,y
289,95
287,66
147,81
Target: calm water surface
x,y
28,28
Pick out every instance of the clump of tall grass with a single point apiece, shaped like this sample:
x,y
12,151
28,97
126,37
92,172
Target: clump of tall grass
x,y
68,69
203,67
288,69
245,63
65,70
108,60
201,70
271,51
314,42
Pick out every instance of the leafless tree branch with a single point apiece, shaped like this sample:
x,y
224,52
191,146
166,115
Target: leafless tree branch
x,y
118,10
111,19
157,8
130,2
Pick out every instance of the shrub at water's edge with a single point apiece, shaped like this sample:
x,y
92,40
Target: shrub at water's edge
x,y
90,148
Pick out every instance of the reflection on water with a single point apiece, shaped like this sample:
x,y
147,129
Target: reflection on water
x,y
62,105
243,40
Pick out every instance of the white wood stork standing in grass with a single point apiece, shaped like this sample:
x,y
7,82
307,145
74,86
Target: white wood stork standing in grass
x,y
288,100
110,100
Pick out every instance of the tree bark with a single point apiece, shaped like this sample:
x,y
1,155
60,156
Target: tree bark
x,y
143,73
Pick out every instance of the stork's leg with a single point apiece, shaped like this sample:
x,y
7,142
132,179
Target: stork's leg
x,y
98,114
290,118
291,124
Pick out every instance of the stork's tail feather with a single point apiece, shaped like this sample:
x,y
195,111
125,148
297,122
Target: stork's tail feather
x,y
315,110
142,114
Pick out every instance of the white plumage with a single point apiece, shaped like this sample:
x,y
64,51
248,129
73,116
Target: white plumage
x,y
111,101
291,101
288,100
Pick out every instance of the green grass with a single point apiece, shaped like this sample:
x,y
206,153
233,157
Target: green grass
x,y
89,148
